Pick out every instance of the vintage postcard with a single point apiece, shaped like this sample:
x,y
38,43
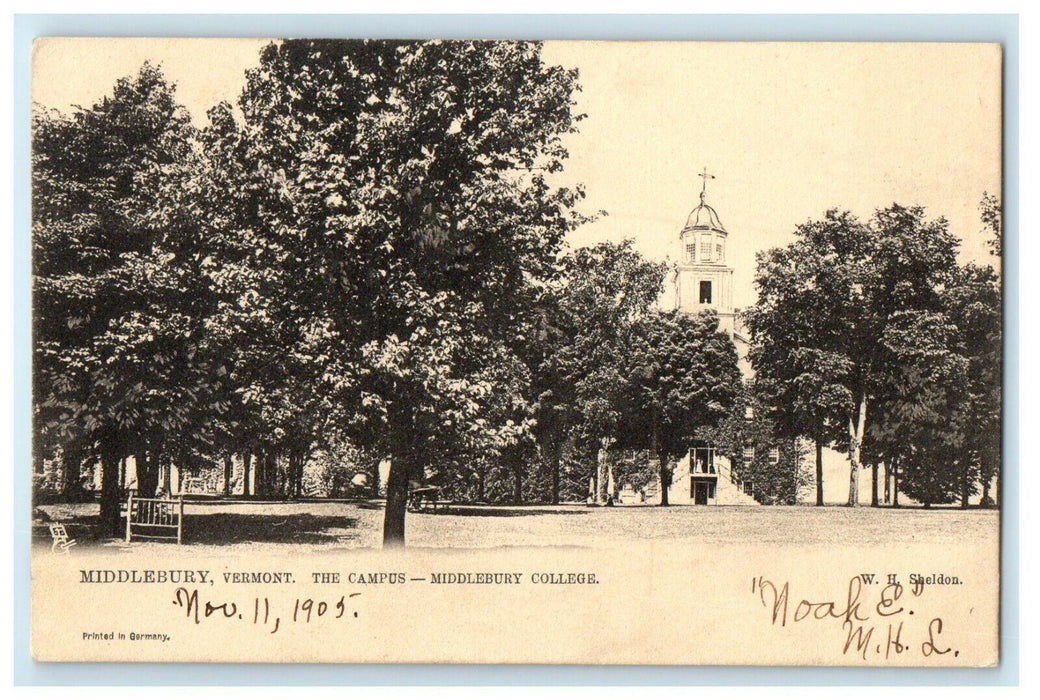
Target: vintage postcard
x,y
516,352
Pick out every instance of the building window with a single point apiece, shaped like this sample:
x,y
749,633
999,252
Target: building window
x,y
706,249
691,251
749,454
705,292
774,455
718,252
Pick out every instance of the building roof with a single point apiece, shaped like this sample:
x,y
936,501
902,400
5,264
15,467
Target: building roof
x,y
704,218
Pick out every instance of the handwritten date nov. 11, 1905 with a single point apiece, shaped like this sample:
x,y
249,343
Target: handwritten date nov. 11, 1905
x,y
261,612
873,626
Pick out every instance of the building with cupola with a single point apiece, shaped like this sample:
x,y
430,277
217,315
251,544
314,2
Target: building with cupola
x,y
703,281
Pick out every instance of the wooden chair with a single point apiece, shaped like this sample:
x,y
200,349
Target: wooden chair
x,y
60,539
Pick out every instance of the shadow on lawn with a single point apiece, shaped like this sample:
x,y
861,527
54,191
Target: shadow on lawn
x,y
301,528
231,528
506,512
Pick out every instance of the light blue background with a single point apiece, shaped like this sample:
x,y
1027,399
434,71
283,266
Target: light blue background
x,y
968,28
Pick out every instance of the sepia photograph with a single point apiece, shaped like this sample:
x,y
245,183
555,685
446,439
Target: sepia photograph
x,y
613,352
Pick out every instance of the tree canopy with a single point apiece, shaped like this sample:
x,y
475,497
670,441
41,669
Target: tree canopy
x,y
868,327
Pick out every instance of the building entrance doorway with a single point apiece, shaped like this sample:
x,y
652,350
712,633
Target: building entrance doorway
x,y
700,493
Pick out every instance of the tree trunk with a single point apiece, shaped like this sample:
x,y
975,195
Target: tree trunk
x,y
247,465
966,484
601,474
518,480
518,488
375,478
110,520
71,459
888,482
895,482
857,426
557,458
664,475
396,500
271,473
227,473
874,484
985,493
258,474
147,474
166,469
819,471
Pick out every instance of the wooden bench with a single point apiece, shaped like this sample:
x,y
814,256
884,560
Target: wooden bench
x,y
423,499
155,518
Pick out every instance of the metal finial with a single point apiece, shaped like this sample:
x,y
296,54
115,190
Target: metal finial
x,y
705,176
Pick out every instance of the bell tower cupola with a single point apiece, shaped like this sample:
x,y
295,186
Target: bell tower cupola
x,y
703,280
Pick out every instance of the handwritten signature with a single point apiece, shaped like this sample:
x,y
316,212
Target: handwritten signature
x,y
864,619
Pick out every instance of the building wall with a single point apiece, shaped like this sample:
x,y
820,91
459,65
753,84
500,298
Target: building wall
x,y
688,292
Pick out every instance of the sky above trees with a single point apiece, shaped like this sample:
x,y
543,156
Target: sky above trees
x,y
788,129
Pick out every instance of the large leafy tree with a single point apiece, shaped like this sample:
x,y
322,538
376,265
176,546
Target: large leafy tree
x,y
834,296
609,288
913,429
942,420
802,394
937,424
119,338
683,378
401,191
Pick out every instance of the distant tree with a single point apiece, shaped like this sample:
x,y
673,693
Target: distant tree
x,y
683,376
830,297
992,221
609,288
913,427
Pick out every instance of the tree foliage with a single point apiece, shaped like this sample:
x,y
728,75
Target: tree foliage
x,y
871,327
120,353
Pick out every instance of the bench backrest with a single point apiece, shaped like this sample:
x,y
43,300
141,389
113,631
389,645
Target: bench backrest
x,y
145,515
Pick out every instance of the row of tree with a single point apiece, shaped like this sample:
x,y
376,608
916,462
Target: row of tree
x,y
871,337
364,255
365,250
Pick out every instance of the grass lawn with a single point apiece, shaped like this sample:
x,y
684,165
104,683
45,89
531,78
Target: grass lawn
x,y
324,525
